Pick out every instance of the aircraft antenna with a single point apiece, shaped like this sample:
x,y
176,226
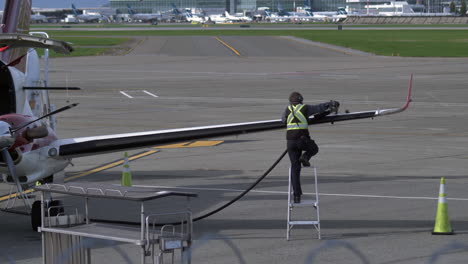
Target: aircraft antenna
x,y
66,85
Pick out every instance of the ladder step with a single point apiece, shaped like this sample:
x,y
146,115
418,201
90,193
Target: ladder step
x,y
303,222
304,203
312,201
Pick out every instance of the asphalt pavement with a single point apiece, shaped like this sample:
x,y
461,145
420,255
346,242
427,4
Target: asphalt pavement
x,y
378,179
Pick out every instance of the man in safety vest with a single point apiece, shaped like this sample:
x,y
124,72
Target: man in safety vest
x,y
296,116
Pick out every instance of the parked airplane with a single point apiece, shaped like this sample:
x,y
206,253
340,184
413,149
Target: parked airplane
x,y
333,16
306,16
88,18
194,18
281,16
218,18
144,17
38,19
31,150
178,15
236,19
166,16
225,17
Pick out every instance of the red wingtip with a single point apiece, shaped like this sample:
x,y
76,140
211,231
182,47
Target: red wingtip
x,y
408,98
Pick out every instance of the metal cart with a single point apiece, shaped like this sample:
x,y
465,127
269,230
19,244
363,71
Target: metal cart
x,y
62,233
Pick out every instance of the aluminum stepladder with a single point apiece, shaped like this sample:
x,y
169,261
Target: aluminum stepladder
x,y
314,204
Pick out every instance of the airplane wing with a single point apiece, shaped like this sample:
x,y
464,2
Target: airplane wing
x,y
86,146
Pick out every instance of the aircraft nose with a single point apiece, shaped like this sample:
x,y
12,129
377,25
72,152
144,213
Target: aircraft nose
x,y
6,139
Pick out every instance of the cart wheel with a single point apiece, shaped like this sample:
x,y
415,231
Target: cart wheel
x,y
36,212
36,215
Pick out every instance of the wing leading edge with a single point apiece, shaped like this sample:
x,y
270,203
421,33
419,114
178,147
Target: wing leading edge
x,y
86,146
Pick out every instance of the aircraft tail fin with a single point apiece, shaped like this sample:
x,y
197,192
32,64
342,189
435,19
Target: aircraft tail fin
x,y
175,10
130,9
75,12
280,8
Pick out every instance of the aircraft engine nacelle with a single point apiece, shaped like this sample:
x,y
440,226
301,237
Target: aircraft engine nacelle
x,y
29,171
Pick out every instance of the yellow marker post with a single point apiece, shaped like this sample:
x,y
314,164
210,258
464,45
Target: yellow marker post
x,y
126,174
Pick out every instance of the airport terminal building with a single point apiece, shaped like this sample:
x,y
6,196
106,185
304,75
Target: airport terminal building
x,y
237,6
233,6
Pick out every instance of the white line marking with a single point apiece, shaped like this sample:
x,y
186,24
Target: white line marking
x,y
125,94
324,194
146,92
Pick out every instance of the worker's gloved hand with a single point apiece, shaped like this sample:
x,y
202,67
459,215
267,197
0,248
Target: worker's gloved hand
x,y
333,106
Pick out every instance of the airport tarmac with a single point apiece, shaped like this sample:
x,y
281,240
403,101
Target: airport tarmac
x,y
378,179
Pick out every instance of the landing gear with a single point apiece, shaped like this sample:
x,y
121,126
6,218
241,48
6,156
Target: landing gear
x,y
55,209
36,215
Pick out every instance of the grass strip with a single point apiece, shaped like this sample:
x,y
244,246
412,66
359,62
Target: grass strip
x,y
406,43
92,41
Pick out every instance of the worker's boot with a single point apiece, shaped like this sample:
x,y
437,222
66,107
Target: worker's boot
x,y
305,161
297,199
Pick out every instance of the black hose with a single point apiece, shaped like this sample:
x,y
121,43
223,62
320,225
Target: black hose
x,y
244,192
214,211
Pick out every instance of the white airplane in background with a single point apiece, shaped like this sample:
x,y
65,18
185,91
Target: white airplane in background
x,y
36,18
144,17
88,18
218,18
31,150
236,19
306,14
280,16
194,18
333,16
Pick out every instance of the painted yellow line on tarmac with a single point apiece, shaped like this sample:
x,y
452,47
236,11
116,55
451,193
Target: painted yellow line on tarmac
x,y
132,48
227,46
75,175
110,165
205,143
6,197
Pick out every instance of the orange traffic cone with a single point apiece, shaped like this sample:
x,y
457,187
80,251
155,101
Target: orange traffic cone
x,y
442,223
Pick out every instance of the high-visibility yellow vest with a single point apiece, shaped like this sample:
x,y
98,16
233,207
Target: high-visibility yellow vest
x,y
301,120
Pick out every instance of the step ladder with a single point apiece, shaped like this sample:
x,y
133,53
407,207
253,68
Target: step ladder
x,y
309,204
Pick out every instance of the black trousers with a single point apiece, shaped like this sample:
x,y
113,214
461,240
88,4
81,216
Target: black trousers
x,y
295,149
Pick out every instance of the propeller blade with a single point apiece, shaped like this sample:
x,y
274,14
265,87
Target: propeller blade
x,y
11,167
13,130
